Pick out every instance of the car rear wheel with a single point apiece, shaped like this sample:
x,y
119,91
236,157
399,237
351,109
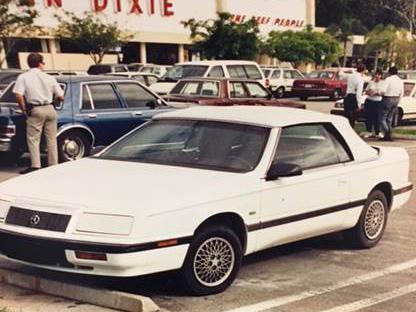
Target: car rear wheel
x,y
73,145
212,262
372,223
279,93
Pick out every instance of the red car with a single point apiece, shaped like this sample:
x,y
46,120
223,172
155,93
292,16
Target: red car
x,y
224,92
326,82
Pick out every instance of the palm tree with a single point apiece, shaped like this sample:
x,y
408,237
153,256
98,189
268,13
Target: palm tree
x,y
380,41
344,31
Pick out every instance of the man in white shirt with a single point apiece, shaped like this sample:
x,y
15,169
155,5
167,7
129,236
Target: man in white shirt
x,y
355,86
35,91
392,91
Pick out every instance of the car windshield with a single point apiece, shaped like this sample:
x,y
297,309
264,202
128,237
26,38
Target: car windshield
x,y
201,144
183,71
321,75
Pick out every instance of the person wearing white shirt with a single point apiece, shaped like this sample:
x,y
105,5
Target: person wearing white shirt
x,y
392,91
372,104
35,91
355,86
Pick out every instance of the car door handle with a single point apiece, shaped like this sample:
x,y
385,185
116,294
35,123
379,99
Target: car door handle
x,y
137,113
92,116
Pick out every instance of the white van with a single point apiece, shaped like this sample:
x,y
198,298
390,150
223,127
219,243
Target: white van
x,y
227,69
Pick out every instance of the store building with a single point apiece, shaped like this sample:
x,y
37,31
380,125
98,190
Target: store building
x,y
154,27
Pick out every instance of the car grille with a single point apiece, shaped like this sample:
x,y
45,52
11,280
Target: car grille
x,y
37,219
37,251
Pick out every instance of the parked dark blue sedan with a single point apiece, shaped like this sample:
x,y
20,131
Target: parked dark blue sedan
x,y
96,111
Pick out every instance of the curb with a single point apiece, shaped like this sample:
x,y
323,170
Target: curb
x,y
101,297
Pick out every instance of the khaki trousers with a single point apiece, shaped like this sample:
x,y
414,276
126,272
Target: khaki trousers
x,y
44,118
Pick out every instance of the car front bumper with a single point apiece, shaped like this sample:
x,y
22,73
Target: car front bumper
x,y
121,260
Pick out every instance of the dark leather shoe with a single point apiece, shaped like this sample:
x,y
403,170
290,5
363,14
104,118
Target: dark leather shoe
x,y
28,170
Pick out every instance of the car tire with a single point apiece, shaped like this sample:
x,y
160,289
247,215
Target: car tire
x,y
335,95
303,98
373,219
73,145
279,93
206,270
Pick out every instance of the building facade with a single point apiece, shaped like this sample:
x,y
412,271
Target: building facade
x,y
156,34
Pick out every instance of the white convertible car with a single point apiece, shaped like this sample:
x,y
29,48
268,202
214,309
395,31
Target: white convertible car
x,y
199,188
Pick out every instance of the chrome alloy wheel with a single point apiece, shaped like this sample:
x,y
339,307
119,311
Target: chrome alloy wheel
x,y
374,219
73,148
214,261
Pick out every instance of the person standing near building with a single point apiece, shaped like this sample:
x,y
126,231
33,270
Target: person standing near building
x,y
392,91
35,91
355,87
372,105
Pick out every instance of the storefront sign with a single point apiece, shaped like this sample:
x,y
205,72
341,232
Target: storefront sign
x,y
270,14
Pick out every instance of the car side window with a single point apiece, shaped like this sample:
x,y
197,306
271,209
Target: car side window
x,y
103,96
210,88
296,74
237,90
216,72
236,71
310,146
120,69
408,88
86,99
253,72
276,74
256,90
139,78
287,74
135,95
151,80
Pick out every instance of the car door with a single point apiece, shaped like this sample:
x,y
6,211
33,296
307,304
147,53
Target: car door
x,y
103,112
141,104
407,103
314,202
287,79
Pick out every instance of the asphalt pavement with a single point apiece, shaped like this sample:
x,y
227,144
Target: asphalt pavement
x,y
316,275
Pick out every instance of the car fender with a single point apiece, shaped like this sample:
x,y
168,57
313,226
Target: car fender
x,y
75,126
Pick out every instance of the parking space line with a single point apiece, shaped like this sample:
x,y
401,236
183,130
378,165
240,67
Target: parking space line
x,y
273,303
365,303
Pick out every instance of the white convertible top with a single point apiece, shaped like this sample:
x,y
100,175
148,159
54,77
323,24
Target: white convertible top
x,y
275,117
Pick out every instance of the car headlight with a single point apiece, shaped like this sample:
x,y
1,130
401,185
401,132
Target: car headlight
x,y
105,224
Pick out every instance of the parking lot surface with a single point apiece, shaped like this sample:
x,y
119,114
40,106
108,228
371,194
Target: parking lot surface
x,y
318,275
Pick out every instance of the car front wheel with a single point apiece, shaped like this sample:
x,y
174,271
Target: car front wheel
x,y
213,261
73,145
372,223
279,93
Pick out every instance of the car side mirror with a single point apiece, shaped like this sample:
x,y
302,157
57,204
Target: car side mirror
x,y
280,170
152,104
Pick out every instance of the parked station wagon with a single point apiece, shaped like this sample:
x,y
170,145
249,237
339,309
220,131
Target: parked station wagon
x,y
223,92
197,189
96,111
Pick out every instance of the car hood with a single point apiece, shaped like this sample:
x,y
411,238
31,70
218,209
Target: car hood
x,y
130,188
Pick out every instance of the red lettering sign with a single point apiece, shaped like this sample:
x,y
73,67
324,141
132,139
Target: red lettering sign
x,y
57,3
30,2
277,21
167,8
151,7
117,6
100,5
135,7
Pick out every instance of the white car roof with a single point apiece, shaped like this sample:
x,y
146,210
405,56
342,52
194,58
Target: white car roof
x,y
256,115
217,62
276,117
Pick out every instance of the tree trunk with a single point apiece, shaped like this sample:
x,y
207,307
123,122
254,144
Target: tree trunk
x,y
376,60
344,61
